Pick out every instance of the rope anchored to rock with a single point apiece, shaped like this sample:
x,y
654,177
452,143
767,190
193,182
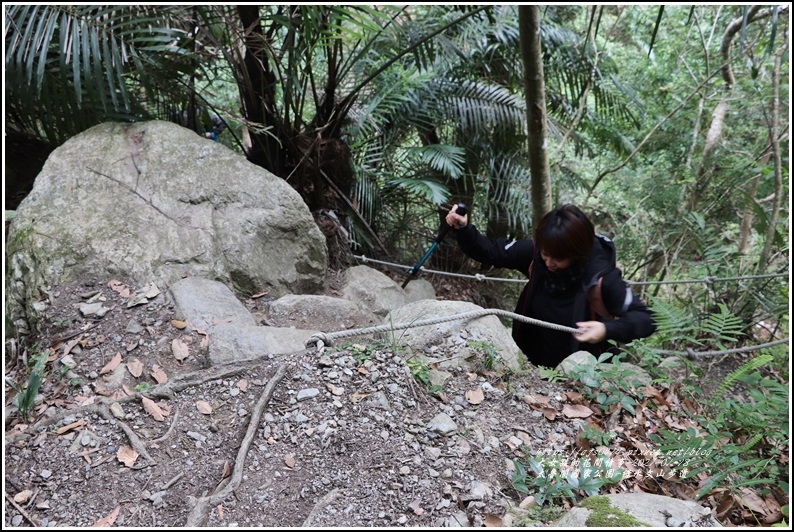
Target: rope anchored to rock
x,y
322,339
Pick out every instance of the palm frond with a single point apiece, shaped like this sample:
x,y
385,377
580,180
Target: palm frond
x,y
70,66
446,159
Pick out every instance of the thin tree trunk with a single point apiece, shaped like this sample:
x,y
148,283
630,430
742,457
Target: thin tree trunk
x,y
534,88
714,133
747,219
775,134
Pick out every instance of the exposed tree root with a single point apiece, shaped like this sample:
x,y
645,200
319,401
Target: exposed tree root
x,y
199,509
322,503
170,429
135,441
21,510
163,391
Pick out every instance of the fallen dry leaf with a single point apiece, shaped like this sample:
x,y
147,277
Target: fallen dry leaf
x,y
260,294
180,349
582,443
120,288
127,455
576,411
335,390
159,375
528,502
550,414
110,518
135,368
71,426
220,511
179,324
68,347
242,384
227,470
656,395
752,501
85,401
574,398
165,408
492,521
475,396
113,364
536,399
358,397
204,407
152,409
290,461
725,505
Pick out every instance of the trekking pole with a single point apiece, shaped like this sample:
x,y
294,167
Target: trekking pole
x,y
413,272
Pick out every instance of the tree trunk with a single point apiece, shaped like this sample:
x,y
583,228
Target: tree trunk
x,y
257,93
714,134
534,88
747,219
775,134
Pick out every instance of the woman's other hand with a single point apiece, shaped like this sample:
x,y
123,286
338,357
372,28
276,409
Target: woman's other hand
x,y
592,331
455,220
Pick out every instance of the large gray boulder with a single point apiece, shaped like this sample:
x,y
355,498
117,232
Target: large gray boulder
x,y
151,202
462,335
373,290
328,314
631,510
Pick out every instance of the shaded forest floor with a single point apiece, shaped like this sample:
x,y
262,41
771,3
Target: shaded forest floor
x,y
127,431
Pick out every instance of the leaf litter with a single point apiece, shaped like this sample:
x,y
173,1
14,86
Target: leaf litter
x,y
346,446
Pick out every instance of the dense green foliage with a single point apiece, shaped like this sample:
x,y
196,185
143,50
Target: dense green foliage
x,y
668,125
386,114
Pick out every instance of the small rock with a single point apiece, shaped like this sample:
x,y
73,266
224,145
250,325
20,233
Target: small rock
x,y
442,424
46,473
90,309
196,436
117,411
23,496
307,393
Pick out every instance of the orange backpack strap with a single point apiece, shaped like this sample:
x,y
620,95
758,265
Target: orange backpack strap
x,y
597,307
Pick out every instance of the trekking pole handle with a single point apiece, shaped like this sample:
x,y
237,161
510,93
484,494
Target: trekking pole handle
x,y
462,211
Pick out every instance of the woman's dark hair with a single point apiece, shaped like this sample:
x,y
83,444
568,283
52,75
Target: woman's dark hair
x,y
565,233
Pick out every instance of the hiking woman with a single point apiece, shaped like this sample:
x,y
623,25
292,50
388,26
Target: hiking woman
x,y
573,280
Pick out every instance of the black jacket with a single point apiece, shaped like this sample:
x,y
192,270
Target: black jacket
x,y
548,347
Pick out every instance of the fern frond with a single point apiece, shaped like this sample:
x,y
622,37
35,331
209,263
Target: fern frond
x,y
672,323
744,369
749,444
723,325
